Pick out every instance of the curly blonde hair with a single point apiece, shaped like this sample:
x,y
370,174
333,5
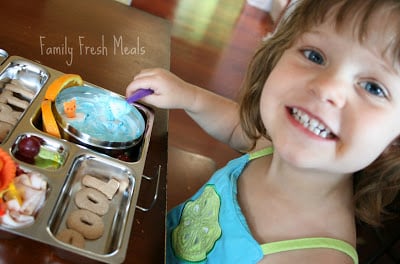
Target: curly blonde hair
x,y
376,186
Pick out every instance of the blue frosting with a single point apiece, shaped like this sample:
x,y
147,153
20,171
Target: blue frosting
x,y
101,115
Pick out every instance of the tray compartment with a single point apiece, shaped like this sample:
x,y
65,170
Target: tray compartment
x,y
131,154
52,153
20,82
28,186
115,220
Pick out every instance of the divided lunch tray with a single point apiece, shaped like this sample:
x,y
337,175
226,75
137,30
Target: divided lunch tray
x,y
78,160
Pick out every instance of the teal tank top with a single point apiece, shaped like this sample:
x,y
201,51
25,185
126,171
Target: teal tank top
x,y
210,227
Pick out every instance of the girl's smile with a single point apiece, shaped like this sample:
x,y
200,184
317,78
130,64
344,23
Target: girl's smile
x,y
310,123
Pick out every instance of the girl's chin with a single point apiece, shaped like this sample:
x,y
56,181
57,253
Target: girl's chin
x,y
301,157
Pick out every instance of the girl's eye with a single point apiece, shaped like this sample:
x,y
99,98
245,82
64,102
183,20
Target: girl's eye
x,y
314,56
374,89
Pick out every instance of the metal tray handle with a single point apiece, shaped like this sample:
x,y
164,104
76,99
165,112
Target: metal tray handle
x,y
144,209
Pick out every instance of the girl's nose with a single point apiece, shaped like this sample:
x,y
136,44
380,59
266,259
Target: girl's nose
x,y
330,87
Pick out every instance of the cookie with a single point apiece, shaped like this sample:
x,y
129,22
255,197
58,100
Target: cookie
x,y
107,188
6,114
16,114
5,128
19,103
72,237
21,90
89,224
92,200
4,95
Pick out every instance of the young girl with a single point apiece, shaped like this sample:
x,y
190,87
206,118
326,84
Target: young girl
x,y
319,120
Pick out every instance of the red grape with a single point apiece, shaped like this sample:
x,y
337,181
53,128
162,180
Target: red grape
x,y
29,147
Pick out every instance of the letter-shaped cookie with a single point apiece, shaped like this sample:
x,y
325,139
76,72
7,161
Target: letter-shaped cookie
x,y
92,200
71,237
107,188
89,224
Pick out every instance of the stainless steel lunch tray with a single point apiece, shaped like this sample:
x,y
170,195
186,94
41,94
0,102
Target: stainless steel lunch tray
x,y
64,182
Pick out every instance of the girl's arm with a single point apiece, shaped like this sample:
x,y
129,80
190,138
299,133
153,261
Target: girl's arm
x,y
217,115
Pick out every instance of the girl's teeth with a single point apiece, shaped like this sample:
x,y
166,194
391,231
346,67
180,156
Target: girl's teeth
x,y
311,124
314,124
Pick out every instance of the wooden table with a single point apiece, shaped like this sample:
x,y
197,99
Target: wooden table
x,y
106,43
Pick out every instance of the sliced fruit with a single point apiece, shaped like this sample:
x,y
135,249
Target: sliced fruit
x,y
13,193
49,122
64,81
9,170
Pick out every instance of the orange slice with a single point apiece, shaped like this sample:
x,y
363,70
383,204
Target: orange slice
x,y
64,81
9,170
49,122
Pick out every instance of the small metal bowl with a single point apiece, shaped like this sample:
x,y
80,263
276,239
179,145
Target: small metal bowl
x,y
103,119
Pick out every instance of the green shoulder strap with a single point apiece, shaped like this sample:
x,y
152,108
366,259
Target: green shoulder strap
x,y
261,153
307,243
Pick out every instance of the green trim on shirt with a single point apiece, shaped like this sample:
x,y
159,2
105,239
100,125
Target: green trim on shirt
x,y
261,153
308,243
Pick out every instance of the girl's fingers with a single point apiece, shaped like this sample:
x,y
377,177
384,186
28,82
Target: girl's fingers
x,y
143,82
147,73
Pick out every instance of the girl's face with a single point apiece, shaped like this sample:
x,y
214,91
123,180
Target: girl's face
x,y
332,103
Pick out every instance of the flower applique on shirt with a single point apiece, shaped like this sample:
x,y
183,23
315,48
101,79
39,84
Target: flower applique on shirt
x,y
198,229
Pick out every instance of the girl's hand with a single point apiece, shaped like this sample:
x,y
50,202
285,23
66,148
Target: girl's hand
x,y
217,115
169,90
